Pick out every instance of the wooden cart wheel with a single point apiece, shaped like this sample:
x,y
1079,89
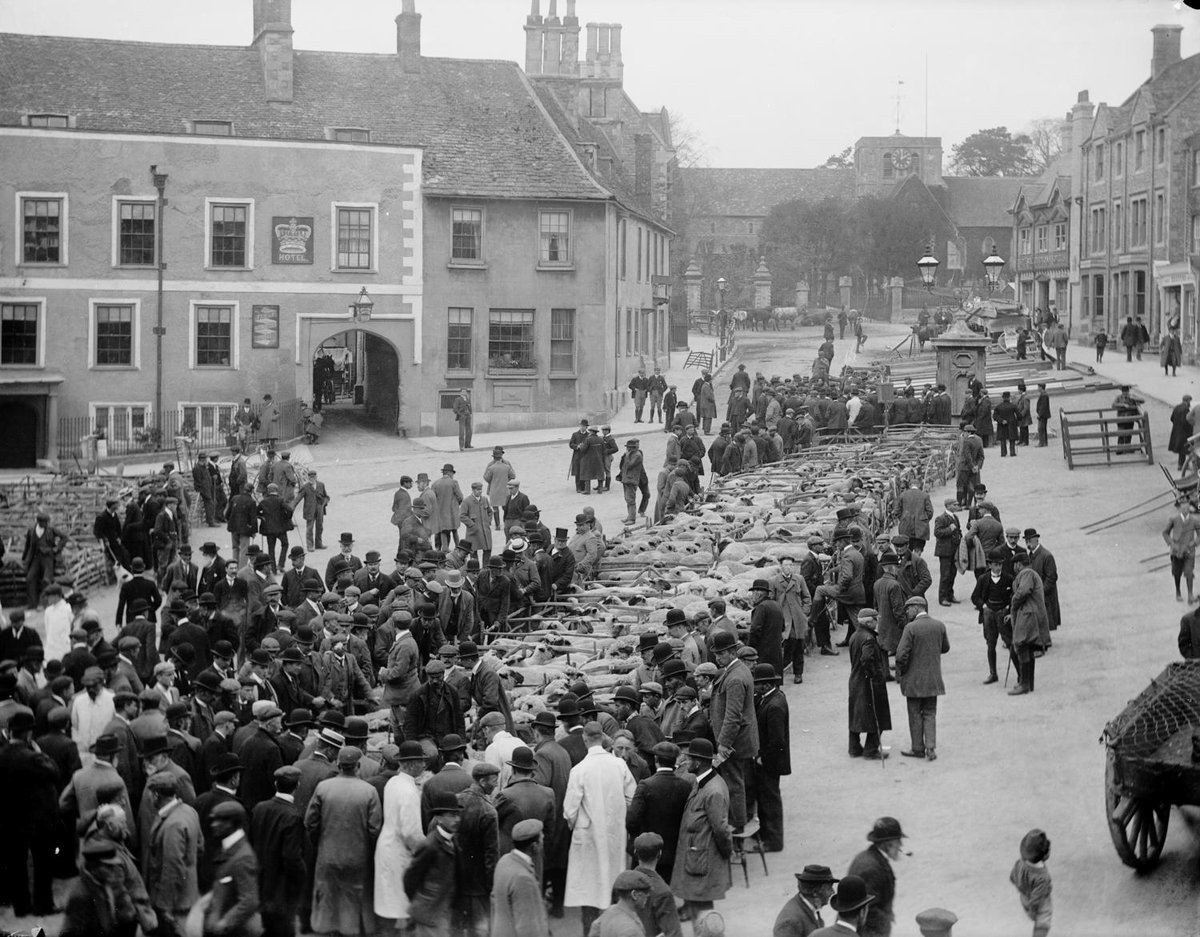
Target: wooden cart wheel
x,y
1138,827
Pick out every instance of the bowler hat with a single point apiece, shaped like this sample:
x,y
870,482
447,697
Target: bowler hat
x,y
225,764
568,707
627,694
851,895
544,720
1031,532
155,745
647,641
292,655
107,744
295,552
724,641
299,717
700,748
676,616
662,651
673,668
410,750
452,743
209,680
443,802
522,758
346,537
760,585
765,673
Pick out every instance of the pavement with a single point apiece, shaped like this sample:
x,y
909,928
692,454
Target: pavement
x,y
1006,764
1146,377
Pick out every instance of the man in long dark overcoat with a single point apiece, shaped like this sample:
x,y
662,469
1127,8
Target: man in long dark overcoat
x,y
869,709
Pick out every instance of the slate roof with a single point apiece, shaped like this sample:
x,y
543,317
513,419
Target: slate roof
x,y
983,201
610,170
482,127
753,192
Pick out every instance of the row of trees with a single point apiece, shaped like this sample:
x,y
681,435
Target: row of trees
x,y
872,239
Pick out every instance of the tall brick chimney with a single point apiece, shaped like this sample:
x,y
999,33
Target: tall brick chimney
x,y
408,36
534,33
273,39
1166,48
552,43
570,42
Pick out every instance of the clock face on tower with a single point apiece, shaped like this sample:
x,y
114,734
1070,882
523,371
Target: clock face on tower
x,y
903,161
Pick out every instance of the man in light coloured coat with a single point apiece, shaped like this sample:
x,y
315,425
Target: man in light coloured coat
x,y
496,476
702,873
599,791
586,546
402,833
517,906
476,515
344,818
919,670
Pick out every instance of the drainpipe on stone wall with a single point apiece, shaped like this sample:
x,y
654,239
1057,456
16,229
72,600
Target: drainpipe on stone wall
x,y
160,183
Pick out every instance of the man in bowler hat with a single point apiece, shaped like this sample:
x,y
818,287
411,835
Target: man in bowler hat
x,y
801,915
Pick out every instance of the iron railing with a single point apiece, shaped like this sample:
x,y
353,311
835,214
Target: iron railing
x,y
133,431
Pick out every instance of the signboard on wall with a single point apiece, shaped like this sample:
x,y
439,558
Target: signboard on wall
x,y
264,327
291,240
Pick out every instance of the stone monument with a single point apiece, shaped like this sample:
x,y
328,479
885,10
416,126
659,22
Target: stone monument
x,y
961,356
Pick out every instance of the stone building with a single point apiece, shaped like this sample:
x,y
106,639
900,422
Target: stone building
x,y
1140,231
291,181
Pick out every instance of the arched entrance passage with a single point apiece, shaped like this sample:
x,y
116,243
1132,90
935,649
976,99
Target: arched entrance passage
x,y
20,422
355,377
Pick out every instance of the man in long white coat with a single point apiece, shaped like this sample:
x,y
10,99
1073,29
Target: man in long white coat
x,y
401,834
599,790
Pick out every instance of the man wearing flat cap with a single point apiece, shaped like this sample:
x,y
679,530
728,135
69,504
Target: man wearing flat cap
x,y
344,818
260,754
874,867
869,710
235,895
623,918
801,915
658,915
517,906
478,843
277,833
919,671
171,854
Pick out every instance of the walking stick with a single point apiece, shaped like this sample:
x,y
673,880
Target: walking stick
x,y
1008,670
875,716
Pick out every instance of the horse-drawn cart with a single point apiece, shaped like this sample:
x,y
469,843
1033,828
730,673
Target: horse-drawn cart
x,y
1152,761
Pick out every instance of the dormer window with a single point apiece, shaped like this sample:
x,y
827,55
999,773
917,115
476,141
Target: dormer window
x,y
351,135
49,120
212,128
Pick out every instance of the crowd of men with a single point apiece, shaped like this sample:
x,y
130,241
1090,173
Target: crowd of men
x,y
222,743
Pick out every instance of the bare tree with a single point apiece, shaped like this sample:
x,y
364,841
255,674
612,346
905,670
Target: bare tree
x,y
691,149
1045,141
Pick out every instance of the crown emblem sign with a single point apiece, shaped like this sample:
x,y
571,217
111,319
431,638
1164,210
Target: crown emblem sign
x,y
293,237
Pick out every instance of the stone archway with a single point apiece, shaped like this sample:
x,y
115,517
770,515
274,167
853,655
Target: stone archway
x,y
366,381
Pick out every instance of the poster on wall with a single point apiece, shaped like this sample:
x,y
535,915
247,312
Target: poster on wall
x,y
264,327
291,240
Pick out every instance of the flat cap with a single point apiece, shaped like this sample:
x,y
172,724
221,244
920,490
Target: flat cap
x,y
526,830
631,880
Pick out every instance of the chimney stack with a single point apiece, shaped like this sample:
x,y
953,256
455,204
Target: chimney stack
x,y
408,37
552,44
533,39
570,42
1166,48
273,39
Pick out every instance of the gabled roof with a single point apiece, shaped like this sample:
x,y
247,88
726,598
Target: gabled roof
x,y
753,192
610,168
484,132
983,201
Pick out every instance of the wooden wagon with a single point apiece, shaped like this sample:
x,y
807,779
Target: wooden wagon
x,y
1152,761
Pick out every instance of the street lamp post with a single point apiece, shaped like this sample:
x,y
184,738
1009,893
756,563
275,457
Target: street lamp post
x,y
721,287
992,265
362,306
928,265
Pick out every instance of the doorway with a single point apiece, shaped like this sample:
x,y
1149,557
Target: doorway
x,y
356,380
20,421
